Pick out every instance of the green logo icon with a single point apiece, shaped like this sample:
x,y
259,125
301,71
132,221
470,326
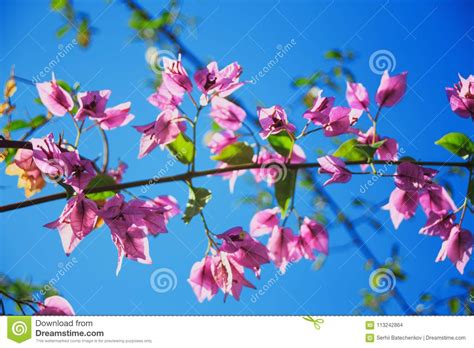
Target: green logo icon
x,y
369,325
19,328
369,338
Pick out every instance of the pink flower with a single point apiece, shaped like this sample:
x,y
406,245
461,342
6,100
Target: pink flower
x,y
436,200
273,121
315,235
170,204
76,221
131,243
220,140
264,221
391,89
245,250
437,225
175,77
92,104
388,151
458,248
412,177
227,114
340,121
78,172
212,81
402,205
319,113
336,167
280,246
55,305
461,97
54,97
202,281
164,99
47,156
357,96
117,174
29,176
114,117
229,275
163,131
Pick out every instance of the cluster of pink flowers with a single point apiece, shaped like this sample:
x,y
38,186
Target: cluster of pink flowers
x,y
229,254
223,266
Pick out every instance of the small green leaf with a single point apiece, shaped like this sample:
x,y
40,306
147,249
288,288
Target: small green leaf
x,y
457,143
351,150
37,121
64,85
282,143
236,153
426,297
454,305
63,30
98,181
301,81
198,198
284,190
16,125
58,5
333,54
182,149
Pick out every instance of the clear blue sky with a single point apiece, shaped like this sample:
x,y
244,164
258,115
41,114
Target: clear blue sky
x,y
433,40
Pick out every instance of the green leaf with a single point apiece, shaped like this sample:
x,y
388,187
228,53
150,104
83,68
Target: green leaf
x,y
284,190
236,153
470,193
282,143
301,81
98,181
426,297
16,125
58,5
63,30
454,305
64,85
198,198
458,144
351,150
182,148
37,121
333,54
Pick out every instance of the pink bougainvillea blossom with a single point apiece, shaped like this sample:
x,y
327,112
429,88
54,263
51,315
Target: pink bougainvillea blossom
x,y
202,281
461,97
436,200
280,246
227,114
131,243
273,121
175,77
391,89
78,172
336,167
214,82
117,173
164,99
438,225
388,151
264,221
357,96
92,104
116,116
55,305
401,205
54,97
319,112
47,156
76,221
220,140
457,248
164,130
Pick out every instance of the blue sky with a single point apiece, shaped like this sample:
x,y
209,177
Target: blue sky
x,y
432,40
